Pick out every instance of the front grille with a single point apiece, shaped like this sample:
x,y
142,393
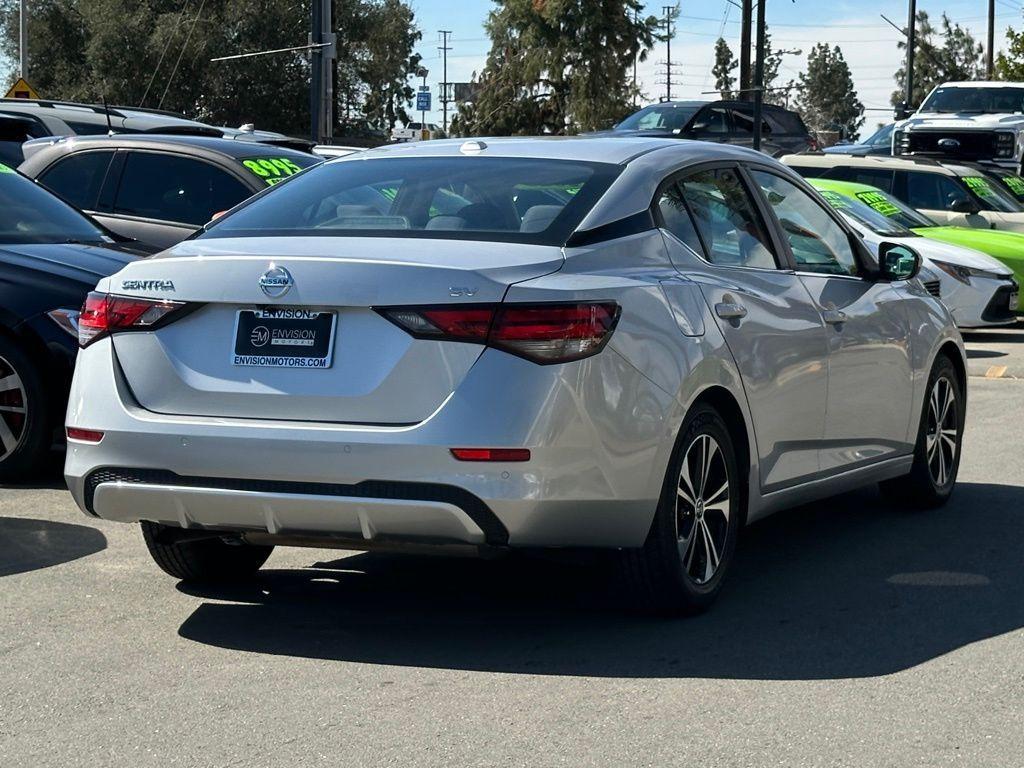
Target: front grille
x,y
971,144
934,287
494,530
999,308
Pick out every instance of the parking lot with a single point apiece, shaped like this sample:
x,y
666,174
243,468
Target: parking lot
x,y
851,632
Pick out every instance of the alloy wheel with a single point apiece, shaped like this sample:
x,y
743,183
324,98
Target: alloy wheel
x,y
13,409
942,431
702,508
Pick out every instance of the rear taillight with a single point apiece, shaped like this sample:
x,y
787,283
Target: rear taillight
x,y
543,333
104,313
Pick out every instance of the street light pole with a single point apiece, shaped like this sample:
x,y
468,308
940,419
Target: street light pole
x,y
990,50
23,40
911,36
759,74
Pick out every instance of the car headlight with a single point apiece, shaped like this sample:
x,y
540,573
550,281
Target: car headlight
x,y
964,274
1005,143
66,319
900,143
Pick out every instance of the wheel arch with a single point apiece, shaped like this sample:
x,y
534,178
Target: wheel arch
x,y
728,407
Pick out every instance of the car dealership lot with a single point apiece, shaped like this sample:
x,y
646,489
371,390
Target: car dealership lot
x,y
853,632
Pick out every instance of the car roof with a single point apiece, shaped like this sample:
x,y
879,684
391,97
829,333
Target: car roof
x,y
822,160
233,148
979,84
617,150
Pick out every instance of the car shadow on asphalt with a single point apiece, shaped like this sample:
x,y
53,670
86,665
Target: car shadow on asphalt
x,y
27,544
849,587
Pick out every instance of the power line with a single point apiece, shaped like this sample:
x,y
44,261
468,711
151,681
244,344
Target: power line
x,y
181,53
167,45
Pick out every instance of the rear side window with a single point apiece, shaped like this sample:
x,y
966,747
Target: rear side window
x,y
177,189
743,123
471,198
78,178
727,220
785,122
873,177
677,220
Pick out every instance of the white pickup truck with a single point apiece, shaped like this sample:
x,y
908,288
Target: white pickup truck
x,y
416,132
980,121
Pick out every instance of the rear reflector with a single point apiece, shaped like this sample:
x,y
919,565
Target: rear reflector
x,y
543,333
491,454
104,314
84,435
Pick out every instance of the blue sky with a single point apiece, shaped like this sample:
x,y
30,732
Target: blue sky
x,y
867,42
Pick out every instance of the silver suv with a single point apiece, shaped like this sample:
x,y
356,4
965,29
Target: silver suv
x,y
634,344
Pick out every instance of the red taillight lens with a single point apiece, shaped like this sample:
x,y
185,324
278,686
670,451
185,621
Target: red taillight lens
x,y
84,435
491,454
103,313
543,333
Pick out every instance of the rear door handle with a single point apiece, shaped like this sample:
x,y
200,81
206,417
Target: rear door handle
x,y
834,316
729,311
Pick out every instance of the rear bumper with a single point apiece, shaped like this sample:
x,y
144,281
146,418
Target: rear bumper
x,y
594,477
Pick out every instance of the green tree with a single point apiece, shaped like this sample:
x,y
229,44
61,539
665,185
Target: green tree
x,y
558,66
957,57
725,63
1010,65
827,98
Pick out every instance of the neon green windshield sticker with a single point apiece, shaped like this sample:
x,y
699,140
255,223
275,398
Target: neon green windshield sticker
x,y
1015,184
834,199
979,186
879,202
272,169
5,169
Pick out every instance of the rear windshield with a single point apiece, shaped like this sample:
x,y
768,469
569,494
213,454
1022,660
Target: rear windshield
x,y
468,198
30,214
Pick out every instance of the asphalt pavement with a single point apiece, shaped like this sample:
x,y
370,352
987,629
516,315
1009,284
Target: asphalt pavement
x,y
852,633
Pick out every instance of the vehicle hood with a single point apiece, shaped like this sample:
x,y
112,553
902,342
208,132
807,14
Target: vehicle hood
x,y
962,121
995,242
960,255
86,264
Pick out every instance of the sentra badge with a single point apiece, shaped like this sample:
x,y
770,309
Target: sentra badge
x,y
147,285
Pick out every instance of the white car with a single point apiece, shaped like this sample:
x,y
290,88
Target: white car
x,y
331,151
966,280
416,131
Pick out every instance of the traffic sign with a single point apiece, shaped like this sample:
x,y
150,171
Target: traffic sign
x,y
423,101
22,90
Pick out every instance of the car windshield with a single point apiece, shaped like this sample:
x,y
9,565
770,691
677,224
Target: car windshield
x,y
660,117
1011,183
889,206
467,198
30,214
976,100
881,138
271,169
874,220
991,196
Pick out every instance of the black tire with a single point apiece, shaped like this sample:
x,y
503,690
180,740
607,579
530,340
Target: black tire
x,y
25,436
669,574
921,487
202,561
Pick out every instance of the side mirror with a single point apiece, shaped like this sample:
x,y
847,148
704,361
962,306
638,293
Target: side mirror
x,y
897,262
964,205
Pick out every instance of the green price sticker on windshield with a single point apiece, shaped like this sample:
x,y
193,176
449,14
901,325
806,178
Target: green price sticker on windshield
x,y
1015,184
834,199
879,202
272,169
979,186
5,169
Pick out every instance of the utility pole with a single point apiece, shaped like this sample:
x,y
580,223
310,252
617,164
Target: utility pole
x,y
636,53
990,50
23,40
759,74
444,48
746,11
911,37
321,92
668,9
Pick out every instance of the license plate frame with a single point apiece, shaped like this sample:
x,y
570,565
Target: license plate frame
x,y
277,337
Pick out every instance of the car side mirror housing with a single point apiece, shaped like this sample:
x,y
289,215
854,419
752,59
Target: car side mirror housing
x,y
897,262
964,205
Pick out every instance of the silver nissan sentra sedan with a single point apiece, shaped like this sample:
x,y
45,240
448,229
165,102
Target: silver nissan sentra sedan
x,y
637,344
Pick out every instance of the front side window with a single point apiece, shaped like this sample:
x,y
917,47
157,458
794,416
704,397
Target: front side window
x,y
730,228
817,241
933,191
711,120
177,189
501,199
78,177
